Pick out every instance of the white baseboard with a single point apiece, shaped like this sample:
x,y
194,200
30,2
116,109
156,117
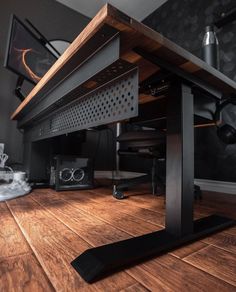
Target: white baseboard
x,y
216,186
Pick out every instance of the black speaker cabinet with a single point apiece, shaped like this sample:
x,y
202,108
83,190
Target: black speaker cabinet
x,y
72,173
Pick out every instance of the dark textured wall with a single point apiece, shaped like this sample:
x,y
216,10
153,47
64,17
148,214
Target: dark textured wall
x,y
55,21
183,21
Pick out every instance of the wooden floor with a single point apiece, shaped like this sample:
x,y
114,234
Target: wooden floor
x,y
43,232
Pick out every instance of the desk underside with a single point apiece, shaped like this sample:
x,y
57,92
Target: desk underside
x,y
108,24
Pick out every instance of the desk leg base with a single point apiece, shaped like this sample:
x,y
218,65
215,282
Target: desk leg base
x,y
95,263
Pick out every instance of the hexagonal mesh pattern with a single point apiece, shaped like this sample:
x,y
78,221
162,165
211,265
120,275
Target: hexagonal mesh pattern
x,y
114,102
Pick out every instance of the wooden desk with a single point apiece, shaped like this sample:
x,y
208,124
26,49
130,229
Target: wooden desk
x,y
106,25
112,57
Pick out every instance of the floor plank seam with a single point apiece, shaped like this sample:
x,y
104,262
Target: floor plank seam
x,y
92,245
66,225
34,251
214,276
121,212
87,213
142,282
20,230
144,220
39,257
154,275
172,254
136,205
221,248
203,270
216,246
134,286
195,267
107,222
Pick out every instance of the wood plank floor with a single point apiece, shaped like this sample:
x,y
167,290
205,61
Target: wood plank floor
x,y
43,232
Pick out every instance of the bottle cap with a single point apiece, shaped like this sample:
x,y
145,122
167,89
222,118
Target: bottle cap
x,y
209,28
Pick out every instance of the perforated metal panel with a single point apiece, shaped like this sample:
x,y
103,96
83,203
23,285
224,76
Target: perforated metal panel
x,y
114,102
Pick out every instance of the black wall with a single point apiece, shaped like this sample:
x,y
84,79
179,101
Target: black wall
x,y
183,21
55,21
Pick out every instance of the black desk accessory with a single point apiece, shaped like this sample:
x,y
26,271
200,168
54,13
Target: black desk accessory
x,y
147,144
210,48
72,173
225,132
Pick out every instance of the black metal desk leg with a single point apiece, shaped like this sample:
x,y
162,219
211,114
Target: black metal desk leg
x,y
180,160
97,262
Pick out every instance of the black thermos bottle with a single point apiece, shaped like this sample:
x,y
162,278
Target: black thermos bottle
x,y
210,47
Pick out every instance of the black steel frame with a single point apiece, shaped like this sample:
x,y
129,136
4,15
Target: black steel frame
x,y
180,228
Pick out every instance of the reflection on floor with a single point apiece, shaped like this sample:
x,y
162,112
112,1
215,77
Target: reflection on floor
x,y
43,232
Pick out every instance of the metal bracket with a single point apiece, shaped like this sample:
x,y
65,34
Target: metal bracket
x,y
189,78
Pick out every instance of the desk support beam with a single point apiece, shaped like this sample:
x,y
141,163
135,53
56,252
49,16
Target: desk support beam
x,y
98,262
178,72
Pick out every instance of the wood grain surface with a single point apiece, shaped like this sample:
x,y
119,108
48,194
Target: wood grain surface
x,y
134,34
23,273
49,229
215,261
56,245
135,288
12,241
180,276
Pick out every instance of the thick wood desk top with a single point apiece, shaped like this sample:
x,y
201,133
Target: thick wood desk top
x,y
134,34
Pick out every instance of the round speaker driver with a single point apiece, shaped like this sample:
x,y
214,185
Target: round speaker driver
x,y
78,174
66,174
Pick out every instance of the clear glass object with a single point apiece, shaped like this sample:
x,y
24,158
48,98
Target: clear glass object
x,y
12,184
6,173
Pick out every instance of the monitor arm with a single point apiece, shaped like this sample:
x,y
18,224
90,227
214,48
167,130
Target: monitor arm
x,y
18,91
